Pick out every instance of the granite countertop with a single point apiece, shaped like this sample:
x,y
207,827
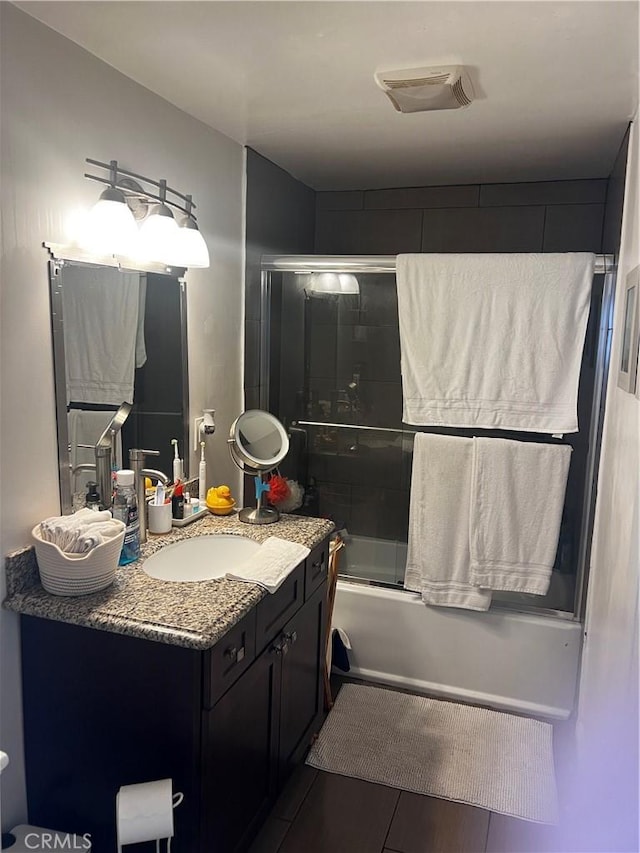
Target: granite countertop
x,y
190,614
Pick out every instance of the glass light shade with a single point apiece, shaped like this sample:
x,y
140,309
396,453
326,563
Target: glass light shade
x,y
190,249
158,235
333,283
110,228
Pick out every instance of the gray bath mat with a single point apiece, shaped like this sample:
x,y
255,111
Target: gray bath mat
x,y
456,752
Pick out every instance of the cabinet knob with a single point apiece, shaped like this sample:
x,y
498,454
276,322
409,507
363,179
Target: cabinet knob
x,y
278,647
318,566
291,637
236,655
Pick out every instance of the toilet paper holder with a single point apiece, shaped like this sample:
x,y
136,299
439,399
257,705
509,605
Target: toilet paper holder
x,y
144,812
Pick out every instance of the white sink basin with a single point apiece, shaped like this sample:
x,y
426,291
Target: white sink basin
x,y
200,559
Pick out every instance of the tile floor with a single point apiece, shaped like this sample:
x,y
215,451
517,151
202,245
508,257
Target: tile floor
x,y
326,813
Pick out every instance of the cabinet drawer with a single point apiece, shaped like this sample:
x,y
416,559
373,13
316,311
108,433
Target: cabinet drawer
x,y
229,658
316,566
274,611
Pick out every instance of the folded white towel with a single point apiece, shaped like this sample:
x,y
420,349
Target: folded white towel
x,y
65,531
271,564
516,510
96,534
438,560
493,341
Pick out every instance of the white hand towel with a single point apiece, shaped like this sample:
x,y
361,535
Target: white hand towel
x,y
516,510
97,534
101,309
270,566
438,560
493,341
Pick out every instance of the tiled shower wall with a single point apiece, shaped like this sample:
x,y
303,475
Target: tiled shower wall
x,y
546,216
550,216
557,216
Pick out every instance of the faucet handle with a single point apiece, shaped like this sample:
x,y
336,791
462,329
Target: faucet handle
x,y
138,455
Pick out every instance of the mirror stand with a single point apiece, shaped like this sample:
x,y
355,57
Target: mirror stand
x,y
258,443
259,514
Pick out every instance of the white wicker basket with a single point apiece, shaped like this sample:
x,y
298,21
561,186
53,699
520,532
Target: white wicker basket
x,y
76,574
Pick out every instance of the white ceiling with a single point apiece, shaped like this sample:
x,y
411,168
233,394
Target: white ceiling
x,y
557,81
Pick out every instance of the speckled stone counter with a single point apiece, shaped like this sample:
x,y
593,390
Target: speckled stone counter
x,y
195,615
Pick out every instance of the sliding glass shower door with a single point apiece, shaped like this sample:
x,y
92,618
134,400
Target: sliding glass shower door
x,y
331,373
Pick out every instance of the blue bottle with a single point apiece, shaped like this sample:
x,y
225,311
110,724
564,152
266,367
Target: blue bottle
x,y
125,508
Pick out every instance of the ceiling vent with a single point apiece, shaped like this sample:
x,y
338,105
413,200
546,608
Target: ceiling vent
x,y
414,90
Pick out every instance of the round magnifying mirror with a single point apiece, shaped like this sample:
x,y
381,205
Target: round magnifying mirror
x,y
259,440
258,443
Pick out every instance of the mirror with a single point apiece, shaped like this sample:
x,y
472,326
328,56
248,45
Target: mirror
x,y
258,443
119,337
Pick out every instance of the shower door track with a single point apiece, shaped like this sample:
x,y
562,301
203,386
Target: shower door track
x,y
605,264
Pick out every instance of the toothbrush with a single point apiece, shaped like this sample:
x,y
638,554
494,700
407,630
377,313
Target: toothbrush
x,y
202,476
159,496
177,462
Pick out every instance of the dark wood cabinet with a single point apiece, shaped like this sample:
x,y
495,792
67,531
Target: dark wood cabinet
x,y
227,725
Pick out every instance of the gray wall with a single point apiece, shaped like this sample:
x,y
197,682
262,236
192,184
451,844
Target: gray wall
x,y
60,104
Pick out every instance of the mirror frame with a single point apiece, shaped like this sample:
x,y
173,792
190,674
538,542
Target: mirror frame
x,y
61,255
239,452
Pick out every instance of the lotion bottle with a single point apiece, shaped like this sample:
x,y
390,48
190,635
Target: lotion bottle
x,y
202,476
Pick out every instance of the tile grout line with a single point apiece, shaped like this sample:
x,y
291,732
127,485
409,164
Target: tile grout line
x,y
395,809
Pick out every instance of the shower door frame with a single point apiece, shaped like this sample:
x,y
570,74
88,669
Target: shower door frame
x,y
605,265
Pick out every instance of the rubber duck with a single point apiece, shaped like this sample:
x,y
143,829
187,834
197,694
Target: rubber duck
x,y
219,500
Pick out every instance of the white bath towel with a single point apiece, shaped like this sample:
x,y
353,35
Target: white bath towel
x,y
270,566
516,510
438,559
493,341
101,327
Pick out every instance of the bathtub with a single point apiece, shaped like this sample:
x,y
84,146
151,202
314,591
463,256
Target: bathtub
x,y
505,659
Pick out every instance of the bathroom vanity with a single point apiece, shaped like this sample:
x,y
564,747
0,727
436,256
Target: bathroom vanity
x,y
215,684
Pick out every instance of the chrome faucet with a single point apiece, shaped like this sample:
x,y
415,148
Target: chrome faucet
x,y
136,460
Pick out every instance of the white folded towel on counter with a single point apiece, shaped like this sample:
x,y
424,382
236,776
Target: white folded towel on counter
x,y
271,564
493,340
81,532
516,511
438,560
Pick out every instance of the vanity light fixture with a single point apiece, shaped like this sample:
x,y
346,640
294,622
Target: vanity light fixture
x,y
159,233
159,238
333,283
110,227
190,244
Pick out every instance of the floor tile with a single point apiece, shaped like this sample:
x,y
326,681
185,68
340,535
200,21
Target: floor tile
x,y
430,825
296,789
342,815
270,836
510,835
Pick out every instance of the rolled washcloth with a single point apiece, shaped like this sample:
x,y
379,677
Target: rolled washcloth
x,y
271,564
96,534
66,531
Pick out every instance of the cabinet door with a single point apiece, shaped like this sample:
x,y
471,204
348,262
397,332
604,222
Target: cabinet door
x,y
240,757
301,697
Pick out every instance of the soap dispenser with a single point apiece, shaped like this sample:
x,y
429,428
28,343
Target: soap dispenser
x,y
92,499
